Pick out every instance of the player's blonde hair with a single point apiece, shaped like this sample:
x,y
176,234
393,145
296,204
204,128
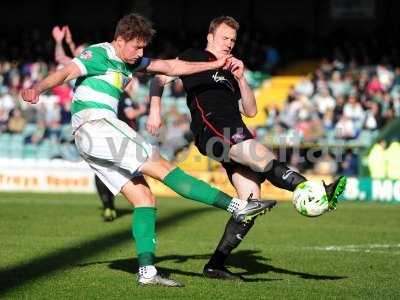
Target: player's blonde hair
x,y
134,26
227,20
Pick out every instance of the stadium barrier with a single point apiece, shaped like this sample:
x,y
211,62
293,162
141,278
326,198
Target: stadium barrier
x,y
61,176
43,175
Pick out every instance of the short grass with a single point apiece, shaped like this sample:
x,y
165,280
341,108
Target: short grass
x,y
55,246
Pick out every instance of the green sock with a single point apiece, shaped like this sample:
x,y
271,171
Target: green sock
x,y
144,234
195,189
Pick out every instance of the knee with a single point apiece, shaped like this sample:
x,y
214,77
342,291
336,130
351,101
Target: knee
x,y
144,200
139,195
149,201
262,156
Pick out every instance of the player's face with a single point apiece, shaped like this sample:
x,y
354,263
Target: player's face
x,y
130,51
222,41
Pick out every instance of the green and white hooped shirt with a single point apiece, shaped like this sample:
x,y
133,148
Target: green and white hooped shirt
x,y
99,88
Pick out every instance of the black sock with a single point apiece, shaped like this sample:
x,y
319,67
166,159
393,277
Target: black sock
x,y
281,176
232,237
106,197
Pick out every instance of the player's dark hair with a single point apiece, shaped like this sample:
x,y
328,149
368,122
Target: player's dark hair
x,y
134,26
231,22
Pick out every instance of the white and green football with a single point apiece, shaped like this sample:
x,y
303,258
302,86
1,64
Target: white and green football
x,y
310,199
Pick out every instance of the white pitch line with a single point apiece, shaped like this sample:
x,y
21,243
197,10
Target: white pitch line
x,y
372,248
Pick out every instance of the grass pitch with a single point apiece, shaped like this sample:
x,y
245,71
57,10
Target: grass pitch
x,y
55,246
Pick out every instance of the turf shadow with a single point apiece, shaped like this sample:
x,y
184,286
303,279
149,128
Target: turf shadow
x,y
45,265
130,265
253,263
248,260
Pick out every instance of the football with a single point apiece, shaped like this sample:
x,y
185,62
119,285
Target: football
x,y
310,199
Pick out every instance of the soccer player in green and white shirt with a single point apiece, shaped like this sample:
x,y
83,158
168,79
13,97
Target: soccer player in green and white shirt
x,y
117,153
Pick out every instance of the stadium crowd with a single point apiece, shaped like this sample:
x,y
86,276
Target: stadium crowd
x,y
339,100
342,100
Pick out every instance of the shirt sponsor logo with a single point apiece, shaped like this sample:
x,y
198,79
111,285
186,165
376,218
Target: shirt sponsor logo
x,y
221,79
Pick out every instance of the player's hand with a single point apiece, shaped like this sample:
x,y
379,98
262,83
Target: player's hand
x,y
153,123
68,35
222,62
236,67
58,34
30,95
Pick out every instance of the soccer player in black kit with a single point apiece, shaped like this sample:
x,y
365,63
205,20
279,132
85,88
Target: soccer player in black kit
x,y
216,100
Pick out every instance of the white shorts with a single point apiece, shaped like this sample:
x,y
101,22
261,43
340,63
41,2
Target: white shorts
x,y
113,150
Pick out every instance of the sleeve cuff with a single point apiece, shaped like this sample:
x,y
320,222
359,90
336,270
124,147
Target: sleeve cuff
x,y
144,63
80,65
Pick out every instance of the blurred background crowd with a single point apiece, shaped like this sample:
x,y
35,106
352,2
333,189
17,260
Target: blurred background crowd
x,y
350,93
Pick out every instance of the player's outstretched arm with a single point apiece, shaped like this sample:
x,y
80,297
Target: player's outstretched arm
x,y
65,74
177,67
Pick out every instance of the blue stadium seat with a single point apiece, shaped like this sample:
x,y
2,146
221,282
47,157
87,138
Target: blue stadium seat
x,y
17,139
44,149
55,150
5,138
5,141
30,151
16,146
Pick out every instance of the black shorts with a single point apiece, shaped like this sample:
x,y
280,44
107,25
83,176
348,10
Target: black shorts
x,y
215,136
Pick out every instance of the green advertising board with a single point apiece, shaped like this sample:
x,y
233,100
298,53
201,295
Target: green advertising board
x,y
368,189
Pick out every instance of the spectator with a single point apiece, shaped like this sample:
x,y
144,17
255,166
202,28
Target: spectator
x,y
377,160
338,110
325,165
271,58
304,87
39,135
328,121
393,161
389,116
323,101
291,95
7,102
374,86
345,128
385,76
64,94
319,80
3,120
372,117
349,165
373,91
336,85
58,35
65,113
16,123
176,137
354,111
